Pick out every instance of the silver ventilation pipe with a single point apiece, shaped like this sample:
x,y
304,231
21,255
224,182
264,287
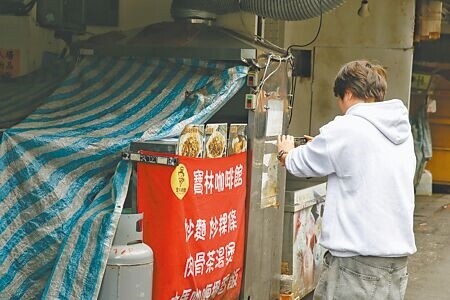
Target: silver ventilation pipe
x,y
287,10
202,9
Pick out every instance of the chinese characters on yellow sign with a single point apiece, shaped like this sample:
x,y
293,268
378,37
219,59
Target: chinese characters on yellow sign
x,y
9,62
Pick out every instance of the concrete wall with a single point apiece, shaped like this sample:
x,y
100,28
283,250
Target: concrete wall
x,y
23,34
138,13
385,36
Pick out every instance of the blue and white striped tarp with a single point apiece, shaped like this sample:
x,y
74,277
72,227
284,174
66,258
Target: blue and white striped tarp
x,y
62,182
22,95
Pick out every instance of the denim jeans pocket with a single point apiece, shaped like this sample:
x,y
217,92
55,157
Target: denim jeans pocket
x,y
355,285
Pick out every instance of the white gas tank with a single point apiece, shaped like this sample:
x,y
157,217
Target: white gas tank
x,y
129,270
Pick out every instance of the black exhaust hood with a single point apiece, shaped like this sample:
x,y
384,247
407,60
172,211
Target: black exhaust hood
x,y
178,39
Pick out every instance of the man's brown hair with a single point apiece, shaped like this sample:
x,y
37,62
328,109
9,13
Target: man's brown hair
x,y
365,80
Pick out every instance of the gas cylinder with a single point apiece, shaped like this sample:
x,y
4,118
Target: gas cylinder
x,y
129,270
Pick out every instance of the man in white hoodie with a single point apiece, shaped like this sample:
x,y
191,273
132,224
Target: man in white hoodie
x,y
368,156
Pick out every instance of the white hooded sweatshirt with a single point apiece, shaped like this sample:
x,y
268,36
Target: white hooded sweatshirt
x,y
368,155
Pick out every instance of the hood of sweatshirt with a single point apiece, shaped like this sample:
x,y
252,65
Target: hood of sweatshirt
x,y
390,117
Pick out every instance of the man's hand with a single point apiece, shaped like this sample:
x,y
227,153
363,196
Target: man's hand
x,y
285,144
308,138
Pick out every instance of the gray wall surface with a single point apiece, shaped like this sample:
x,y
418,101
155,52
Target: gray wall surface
x,y
386,36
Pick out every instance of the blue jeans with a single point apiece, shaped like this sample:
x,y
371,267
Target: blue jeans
x,y
362,277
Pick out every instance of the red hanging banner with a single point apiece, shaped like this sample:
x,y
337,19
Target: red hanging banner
x,y
194,221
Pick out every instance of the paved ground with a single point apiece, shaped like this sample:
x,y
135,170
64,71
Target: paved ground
x,y
429,268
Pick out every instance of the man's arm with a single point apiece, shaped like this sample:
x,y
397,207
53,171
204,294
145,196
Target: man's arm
x,y
310,160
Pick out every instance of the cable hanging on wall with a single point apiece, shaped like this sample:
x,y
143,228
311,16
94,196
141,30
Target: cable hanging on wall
x,y
317,32
294,78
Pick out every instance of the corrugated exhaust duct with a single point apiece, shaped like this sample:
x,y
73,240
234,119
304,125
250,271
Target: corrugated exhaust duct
x,y
287,10
203,9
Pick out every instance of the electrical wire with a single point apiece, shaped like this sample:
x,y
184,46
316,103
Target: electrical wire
x,y
264,77
317,33
292,95
287,58
294,80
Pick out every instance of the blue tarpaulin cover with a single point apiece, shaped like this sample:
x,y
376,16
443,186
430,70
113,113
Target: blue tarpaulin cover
x,y
62,180
22,95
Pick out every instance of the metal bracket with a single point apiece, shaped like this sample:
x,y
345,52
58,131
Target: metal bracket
x,y
151,159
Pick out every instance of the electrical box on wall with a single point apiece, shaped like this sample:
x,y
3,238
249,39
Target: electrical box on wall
x,y
302,63
66,15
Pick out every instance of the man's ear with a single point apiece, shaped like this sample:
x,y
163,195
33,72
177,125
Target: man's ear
x,y
347,96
